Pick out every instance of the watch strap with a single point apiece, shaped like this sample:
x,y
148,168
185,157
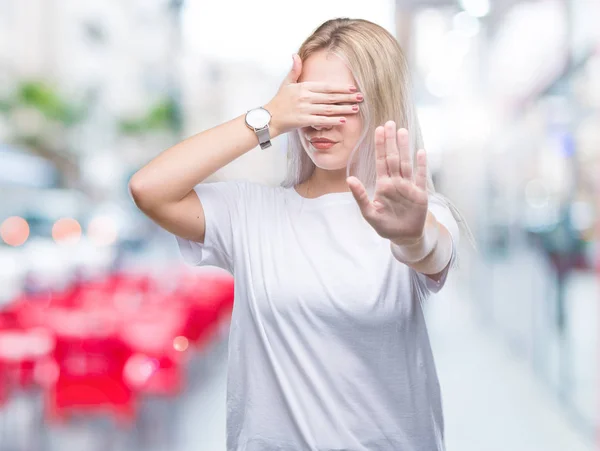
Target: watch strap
x,y
264,137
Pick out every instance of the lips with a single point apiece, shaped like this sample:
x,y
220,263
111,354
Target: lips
x,y
322,144
322,140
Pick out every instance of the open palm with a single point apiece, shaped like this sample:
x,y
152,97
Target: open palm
x,y
399,207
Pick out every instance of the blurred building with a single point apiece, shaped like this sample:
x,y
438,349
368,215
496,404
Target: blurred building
x,y
123,52
508,96
115,61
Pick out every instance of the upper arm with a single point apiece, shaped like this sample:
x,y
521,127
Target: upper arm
x,y
184,219
204,222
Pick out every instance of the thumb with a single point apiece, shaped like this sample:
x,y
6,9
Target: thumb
x,y
360,195
295,71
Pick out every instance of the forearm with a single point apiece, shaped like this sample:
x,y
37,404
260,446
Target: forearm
x,y
431,254
171,175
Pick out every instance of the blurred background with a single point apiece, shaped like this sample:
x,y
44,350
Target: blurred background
x,y
107,341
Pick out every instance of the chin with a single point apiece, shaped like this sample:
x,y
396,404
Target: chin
x,y
329,162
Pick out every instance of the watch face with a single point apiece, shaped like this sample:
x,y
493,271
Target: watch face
x,y
258,118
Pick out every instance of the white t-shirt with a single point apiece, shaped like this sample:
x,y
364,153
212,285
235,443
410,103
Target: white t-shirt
x,y
328,347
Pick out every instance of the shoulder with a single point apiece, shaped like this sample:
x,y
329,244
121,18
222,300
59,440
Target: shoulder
x,y
259,190
236,186
244,191
257,202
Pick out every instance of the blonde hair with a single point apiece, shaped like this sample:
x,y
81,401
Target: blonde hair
x,y
381,72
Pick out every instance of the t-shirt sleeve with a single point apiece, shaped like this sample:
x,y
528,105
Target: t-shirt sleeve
x,y
444,216
221,202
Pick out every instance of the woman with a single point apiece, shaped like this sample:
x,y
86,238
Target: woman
x,y
328,346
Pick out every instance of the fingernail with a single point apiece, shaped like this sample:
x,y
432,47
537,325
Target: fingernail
x,y
359,96
343,120
353,89
355,107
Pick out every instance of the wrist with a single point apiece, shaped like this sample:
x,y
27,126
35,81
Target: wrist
x,y
274,129
436,260
430,223
415,250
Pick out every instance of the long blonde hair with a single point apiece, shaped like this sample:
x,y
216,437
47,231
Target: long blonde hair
x,y
381,72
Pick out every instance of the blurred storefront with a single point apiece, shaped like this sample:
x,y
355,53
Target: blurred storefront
x,y
514,107
542,260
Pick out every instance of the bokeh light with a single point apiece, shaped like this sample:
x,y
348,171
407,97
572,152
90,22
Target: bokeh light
x,y
139,368
180,343
14,231
102,231
66,230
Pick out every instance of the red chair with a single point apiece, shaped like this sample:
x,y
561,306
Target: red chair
x,y
162,376
209,297
157,370
155,335
3,385
20,352
90,359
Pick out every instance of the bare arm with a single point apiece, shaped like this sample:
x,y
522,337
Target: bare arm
x,y
164,188
445,240
434,249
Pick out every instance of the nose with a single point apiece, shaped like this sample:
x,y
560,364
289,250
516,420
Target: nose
x,y
322,127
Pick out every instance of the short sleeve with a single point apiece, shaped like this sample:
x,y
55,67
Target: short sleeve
x,y
444,216
221,202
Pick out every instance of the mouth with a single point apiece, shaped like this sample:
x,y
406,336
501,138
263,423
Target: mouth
x,y
322,144
322,141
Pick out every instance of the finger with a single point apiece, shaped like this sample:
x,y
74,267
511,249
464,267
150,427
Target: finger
x,y
404,149
295,71
360,195
391,149
333,110
381,162
330,88
320,97
324,121
421,175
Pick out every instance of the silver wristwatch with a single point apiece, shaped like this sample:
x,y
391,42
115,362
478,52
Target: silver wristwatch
x,y
258,119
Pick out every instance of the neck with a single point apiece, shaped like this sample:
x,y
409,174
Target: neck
x,y
324,181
